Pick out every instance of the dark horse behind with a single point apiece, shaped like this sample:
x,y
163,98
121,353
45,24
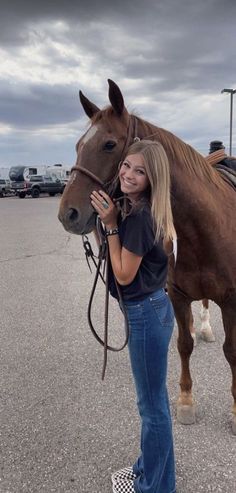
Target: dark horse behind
x,y
204,206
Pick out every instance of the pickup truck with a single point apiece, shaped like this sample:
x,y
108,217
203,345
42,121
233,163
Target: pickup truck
x,y
38,184
5,187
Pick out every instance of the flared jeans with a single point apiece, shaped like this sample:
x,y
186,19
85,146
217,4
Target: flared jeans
x,y
151,323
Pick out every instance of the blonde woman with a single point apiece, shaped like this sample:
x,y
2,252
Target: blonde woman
x,y
138,262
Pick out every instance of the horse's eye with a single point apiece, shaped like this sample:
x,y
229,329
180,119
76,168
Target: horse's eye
x,y
109,145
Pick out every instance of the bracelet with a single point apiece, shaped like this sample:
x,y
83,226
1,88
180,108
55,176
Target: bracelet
x,y
111,232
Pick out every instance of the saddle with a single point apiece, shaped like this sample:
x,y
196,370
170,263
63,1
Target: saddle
x,y
224,164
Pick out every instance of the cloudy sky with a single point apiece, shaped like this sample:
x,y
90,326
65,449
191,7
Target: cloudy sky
x,y
171,59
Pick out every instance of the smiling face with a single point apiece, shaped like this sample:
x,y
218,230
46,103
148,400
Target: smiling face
x,y
133,176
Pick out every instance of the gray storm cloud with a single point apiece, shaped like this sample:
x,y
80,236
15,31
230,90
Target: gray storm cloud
x,y
171,59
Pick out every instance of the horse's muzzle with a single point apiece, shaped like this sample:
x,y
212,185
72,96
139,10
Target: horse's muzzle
x,y
72,221
72,216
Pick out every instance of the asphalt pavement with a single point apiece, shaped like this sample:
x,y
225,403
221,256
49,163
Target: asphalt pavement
x,y
63,430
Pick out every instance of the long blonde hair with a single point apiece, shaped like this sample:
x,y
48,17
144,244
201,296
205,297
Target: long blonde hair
x,y
158,173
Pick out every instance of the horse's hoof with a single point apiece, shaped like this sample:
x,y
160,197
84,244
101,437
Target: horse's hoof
x,y
234,424
207,335
186,415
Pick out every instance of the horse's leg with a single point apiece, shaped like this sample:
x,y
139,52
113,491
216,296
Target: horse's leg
x,y
229,320
206,330
192,328
185,404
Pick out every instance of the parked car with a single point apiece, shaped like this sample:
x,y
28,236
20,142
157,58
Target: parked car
x,y
38,184
5,187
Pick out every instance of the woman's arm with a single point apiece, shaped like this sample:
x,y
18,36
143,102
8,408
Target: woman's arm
x,y
125,264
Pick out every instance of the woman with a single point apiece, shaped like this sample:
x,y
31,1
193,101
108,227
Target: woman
x,y
139,264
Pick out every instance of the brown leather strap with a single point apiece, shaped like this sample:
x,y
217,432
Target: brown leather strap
x,y
104,253
89,174
216,157
132,130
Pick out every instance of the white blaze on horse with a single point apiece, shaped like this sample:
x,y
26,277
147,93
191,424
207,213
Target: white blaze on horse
x,y
203,204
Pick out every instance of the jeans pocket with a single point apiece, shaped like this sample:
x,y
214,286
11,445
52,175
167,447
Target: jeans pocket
x,y
134,313
163,308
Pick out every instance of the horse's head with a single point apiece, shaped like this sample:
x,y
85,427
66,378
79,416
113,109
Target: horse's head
x,y
98,154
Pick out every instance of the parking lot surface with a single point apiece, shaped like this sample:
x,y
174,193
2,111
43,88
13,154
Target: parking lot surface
x,y
63,430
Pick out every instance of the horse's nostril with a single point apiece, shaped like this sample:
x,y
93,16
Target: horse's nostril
x,y
72,215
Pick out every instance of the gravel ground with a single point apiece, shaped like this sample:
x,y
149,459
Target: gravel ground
x,y
63,430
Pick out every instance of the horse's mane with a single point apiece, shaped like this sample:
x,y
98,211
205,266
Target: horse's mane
x,y
182,154
179,153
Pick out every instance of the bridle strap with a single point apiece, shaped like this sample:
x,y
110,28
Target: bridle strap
x,y
131,135
88,173
132,130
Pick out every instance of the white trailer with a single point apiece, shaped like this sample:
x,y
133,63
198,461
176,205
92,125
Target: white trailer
x,y
58,171
4,173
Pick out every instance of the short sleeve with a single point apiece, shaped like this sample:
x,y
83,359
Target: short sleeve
x,y
139,235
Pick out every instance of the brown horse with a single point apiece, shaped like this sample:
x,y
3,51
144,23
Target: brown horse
x,y
203,205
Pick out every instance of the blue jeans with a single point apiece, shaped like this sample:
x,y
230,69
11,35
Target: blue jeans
x,y
151,323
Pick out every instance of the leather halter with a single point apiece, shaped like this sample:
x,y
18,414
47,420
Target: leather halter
x,y
104,255
132,129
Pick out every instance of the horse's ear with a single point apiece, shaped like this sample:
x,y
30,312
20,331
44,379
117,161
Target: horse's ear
x,y
89,108
116,97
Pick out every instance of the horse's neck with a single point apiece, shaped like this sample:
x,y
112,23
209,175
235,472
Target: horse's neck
x,y
192,197
146,130
150,131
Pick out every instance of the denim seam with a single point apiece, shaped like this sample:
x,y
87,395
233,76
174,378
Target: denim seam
x,y
157,430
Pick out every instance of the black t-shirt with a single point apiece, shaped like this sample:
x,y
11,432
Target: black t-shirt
x,y
136,234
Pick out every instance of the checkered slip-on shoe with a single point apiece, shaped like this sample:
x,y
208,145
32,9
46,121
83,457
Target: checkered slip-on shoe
x,y
123,486
125,473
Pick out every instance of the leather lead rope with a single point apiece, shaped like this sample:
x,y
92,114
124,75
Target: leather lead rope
x,y
104,257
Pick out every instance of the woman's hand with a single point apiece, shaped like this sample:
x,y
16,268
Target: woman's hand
x,y
105,208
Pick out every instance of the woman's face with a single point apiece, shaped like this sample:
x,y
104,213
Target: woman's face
x,y
133,176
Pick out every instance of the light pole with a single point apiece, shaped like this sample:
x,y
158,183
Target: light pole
x,y
231,92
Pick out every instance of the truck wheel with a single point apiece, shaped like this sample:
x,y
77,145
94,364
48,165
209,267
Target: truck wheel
x,y
21,195
35,193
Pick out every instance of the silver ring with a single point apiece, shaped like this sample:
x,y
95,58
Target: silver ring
x,y
105,204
